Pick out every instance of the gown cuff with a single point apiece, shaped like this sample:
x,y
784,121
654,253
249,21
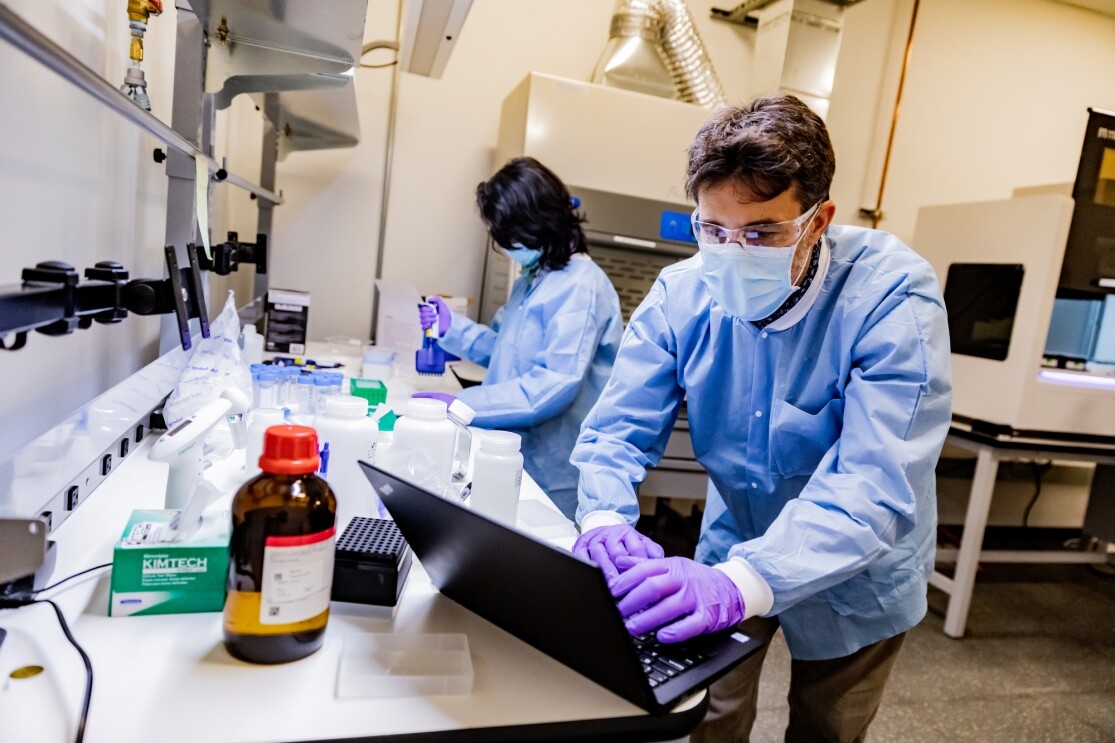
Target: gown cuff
x,y
757,596
595,519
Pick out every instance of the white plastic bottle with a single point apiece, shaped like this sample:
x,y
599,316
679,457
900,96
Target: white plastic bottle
x,y
260,421
497,476
351,435
251,344
427,432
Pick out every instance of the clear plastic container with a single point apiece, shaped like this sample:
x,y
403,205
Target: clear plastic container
x,y
251,345
404,665
290,376
461,416
302,396
427,430
497,476
377,363
259,421
322,390
265,389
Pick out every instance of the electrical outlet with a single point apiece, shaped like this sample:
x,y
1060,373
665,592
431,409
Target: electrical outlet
x,y
72,495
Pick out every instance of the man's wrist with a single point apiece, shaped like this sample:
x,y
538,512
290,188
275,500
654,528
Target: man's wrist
x,y
758,599
596,519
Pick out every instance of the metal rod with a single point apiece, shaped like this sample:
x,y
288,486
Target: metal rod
x,y
388,161
261,193
876,214
34,44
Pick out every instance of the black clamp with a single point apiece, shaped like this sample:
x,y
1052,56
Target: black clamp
x,y
52,299
228,256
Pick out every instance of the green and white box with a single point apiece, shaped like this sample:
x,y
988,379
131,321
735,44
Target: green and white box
x,y
153,575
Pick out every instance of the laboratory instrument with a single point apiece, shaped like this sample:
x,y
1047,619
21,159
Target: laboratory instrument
x,y
183,448
1029,285
497,476
430,358
281,553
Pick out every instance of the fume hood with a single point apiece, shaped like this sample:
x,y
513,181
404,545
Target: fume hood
x,y
622,154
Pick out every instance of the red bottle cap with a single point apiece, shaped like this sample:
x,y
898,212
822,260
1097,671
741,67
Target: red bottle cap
x,y
289,450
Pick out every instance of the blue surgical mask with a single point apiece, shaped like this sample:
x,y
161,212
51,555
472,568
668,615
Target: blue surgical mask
x,y
523,255
749,284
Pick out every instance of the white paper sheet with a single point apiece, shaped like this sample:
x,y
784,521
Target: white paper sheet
x,y
397,326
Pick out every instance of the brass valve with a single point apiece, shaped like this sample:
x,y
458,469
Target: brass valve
x,y
138,13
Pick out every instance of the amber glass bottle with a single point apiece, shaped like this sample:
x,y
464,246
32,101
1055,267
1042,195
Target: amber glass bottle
x,y
280,567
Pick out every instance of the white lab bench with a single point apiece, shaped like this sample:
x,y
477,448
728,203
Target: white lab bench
x,y
169,677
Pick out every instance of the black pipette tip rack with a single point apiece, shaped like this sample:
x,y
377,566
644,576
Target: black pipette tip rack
x,y
371,562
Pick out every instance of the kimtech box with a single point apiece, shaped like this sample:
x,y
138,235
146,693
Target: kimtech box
x,y
287,317
153,575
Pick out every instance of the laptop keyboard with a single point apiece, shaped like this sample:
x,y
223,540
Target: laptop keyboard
x,y
663,661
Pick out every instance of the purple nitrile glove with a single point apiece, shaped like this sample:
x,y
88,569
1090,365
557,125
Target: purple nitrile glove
x,y
438,313
445,397
682,597
604,544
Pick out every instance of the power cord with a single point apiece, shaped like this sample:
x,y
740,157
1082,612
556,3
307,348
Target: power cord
x,y
71,577
25,599
1038,471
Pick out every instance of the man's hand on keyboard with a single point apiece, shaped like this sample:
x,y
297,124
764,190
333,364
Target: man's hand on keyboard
x,y
680,597
604,544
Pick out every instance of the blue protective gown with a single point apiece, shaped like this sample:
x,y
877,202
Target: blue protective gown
x,y
820,434
549,352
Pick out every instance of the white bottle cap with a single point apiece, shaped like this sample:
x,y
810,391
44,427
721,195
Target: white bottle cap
x,y
426,408
500,441
346,406
249,329
269,416
461,411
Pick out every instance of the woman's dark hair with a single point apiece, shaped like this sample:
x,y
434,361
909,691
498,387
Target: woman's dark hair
x,y
767,147
524,202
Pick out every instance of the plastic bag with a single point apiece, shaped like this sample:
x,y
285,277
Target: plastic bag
x,y
215,366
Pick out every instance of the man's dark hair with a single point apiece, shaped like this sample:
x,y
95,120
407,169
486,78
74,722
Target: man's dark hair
x,y
766,147
524,202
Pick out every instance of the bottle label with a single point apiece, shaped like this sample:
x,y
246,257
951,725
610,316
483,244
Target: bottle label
x,y
297,577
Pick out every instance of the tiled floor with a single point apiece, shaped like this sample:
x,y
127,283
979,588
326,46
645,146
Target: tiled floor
x,y
1037,663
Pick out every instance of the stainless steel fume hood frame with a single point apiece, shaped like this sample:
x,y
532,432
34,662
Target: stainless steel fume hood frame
x,y
50,473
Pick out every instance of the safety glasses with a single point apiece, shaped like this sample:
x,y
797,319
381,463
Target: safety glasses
x,y
771,235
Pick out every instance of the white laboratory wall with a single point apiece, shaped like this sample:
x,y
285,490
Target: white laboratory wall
x,y
996,98
77,184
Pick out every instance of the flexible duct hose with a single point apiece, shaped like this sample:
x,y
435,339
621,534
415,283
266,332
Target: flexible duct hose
x,y
681,47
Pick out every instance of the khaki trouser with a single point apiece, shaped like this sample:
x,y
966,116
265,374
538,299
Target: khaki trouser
x,y
830,700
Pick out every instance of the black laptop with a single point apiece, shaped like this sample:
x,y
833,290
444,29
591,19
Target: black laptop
x,y
551,599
